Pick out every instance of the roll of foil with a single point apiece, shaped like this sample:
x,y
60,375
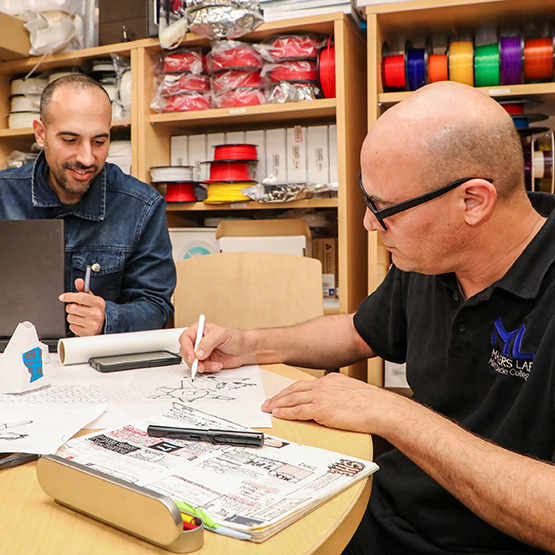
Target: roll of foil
x,y
224,20
286,91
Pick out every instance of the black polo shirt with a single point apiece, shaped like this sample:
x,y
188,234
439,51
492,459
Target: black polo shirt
x,y
488,363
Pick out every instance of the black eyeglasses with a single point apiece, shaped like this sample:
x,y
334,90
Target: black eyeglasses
x,y
380,215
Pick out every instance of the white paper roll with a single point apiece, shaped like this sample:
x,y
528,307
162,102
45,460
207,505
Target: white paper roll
x,y
78,350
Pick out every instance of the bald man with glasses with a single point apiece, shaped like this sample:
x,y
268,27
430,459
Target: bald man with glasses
x,y
469,305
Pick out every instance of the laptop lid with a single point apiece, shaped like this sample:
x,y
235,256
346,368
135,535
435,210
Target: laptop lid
x,y
32,276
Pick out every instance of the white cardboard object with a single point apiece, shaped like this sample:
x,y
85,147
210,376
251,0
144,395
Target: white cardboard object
x,y
21,365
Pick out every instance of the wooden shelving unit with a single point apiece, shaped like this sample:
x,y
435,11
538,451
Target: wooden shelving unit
x,y
151,132
441,20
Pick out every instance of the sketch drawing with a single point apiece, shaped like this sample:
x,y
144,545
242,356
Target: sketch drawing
x,y
208,387
8,435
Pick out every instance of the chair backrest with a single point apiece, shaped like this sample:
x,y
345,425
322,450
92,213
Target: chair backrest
x,y
248,290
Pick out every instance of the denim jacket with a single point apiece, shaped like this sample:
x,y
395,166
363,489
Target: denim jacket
x,y
120,224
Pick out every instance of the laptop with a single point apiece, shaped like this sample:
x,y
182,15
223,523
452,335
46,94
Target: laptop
x,y
31,279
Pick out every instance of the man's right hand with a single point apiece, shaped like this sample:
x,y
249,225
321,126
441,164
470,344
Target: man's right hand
x,y
219,348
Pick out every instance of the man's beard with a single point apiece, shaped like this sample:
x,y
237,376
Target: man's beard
x,y
81,187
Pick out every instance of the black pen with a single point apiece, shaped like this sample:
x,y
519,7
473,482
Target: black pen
x,y
221,437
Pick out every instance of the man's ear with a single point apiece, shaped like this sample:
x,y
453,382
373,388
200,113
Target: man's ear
x,y
480,197
38,127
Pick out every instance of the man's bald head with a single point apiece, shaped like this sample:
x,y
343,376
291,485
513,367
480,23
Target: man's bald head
x,y
446,131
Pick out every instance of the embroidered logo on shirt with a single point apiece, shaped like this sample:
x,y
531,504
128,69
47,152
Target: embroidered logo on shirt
x,y
507,356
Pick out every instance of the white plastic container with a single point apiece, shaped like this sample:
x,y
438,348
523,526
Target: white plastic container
x,y
22,120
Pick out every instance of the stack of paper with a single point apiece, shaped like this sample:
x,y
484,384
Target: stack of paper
x,y
251,493
285,9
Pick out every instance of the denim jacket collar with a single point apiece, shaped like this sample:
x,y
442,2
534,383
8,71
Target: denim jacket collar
x,y
91,207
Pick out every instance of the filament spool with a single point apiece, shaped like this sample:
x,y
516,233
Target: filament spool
x,y
438,68
538,59
510,54
235,153
461,62
486,65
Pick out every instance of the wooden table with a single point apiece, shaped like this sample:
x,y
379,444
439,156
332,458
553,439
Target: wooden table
x,y
32,522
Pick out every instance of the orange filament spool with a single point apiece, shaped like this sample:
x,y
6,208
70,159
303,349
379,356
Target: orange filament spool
x,y
438,68
538,59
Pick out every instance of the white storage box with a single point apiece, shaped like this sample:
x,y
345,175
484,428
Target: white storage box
x,y
193,241
279,236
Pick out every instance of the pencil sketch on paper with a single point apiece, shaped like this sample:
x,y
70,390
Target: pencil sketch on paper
x,y
10,435
62,394
208,387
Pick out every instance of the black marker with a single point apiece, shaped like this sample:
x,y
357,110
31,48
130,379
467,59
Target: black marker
x,y
220,437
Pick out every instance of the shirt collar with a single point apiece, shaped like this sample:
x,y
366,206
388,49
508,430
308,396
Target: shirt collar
x,y
92,205
525,277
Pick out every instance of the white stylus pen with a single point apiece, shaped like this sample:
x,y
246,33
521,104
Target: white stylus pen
x,y
200,332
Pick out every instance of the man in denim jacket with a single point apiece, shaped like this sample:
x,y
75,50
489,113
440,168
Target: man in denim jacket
x,y
113,222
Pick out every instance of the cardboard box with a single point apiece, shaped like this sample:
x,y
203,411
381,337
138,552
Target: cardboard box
x,y
258,138
317,155
276,159
235,138
279,236
197,154
114,16
179,150
193,241
334,174
296,154
325,250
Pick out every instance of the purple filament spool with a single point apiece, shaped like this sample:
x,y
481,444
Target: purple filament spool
x,y
510,53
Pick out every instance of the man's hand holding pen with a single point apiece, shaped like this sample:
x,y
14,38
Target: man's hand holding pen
x,y
86,312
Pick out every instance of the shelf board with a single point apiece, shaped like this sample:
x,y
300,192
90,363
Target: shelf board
x,y
24,133
305,111
251,205
540,91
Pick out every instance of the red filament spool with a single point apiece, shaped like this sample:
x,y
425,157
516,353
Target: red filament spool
x,y
228,172
295,71
326,70
187,102
189,60
294,47
180,192
235,78
235,153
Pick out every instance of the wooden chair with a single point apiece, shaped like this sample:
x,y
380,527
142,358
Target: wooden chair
x,y
248,290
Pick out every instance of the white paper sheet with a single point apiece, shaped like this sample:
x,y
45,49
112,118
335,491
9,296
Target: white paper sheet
x,y
41,429
236,395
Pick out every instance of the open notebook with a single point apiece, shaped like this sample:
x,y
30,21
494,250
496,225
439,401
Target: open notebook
x,y
32,278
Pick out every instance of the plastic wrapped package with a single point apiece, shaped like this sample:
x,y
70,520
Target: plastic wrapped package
x,y
302,70
176,83
124,89
262,192
219,19
234,79
292,47
184,102
172,24
186,59
288,91
231,54
24,102
28,85
17,158
238,97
